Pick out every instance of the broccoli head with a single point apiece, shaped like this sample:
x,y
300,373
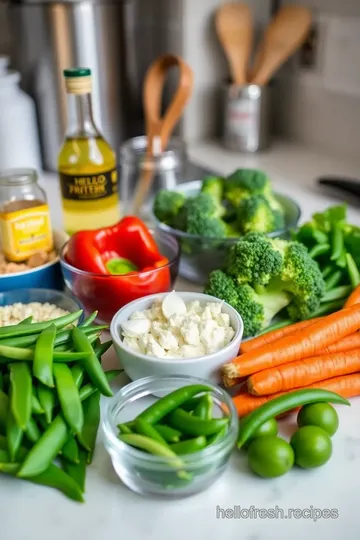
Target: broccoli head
x,y
167,205
243,183
255,214
200,215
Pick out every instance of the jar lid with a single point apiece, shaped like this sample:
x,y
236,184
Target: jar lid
x,y
77,80
77,72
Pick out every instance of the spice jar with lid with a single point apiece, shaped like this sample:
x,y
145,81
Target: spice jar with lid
x,y
25,226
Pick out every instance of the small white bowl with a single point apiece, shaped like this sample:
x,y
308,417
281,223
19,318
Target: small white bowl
x,y
137,365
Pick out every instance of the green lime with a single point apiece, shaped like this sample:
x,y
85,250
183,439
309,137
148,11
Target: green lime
x,y
266,429
120,266
312,446
270,456
319,414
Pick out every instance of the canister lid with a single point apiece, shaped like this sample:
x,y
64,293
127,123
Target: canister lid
x,y
77,72
77,80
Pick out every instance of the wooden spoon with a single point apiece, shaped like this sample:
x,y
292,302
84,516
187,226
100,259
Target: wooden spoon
x,y
285,33
235,32
158,128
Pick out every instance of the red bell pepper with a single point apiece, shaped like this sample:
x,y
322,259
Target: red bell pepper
x,y
128,245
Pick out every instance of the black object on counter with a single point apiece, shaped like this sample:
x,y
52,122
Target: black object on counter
x,y
347,185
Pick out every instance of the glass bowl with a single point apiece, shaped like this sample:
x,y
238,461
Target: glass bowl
x,y
152,475
25,296
201,255
107,293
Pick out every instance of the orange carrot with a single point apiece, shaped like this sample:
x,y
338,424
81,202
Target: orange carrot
x,y
266,339
306,343
303,372
354,298
346,386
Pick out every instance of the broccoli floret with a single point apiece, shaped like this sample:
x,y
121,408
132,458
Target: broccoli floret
x,y
255,259
213,186
222,286
232,231
255,214
243,183
200,215
167,205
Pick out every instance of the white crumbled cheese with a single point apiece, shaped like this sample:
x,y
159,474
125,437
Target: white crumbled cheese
x,y
15,313
173,329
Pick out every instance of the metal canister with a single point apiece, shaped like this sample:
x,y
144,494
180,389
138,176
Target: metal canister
x,y
246,117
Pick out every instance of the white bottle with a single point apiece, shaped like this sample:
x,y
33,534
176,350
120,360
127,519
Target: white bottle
x,y
19,139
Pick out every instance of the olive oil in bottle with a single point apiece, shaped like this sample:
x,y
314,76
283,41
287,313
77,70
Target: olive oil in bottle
x,y
87,163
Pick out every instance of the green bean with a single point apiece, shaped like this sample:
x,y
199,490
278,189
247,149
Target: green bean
x,y
70,450
42,454
35,404
153,447
282,404
327,271
69,397
25,329
21,393
168,403
191,425
204,408
190,446
124,428
171,435
77,471
47,401
43,356
91,363
4,408
32,431
89,389
213,439
143,428
353,271
77,373
103,348
14,435
89,320
336,294
333,280
337,242
319,249
87,437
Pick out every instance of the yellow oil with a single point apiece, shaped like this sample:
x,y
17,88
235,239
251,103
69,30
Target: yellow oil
x,y
89,158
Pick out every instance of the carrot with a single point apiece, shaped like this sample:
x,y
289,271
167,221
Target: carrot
x,y
266,339
303,372
354,298
346,386
306,343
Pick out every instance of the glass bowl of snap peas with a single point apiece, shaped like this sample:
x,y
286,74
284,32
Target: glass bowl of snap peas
x,y
170,436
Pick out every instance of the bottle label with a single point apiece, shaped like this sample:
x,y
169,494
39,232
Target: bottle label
x,y
89,187
25,232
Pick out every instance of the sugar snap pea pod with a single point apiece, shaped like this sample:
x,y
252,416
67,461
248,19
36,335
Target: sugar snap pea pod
x,y
70,450
89,320
89,389
8,467
77,373
42,454
353,270
337,242
204,408
143,428
319,249
342,291
153,447
190,446
124,428
4,456
91,363
32,431
21,393
14,435
47,401
3,442
35,404
103,348
43,356
28,320
1,380
25,329
333,280
77,471
87,437
191,425
27,355
171,435
4,408
69,397
168,403
282,404
213,439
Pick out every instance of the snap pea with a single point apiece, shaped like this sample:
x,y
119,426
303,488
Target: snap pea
x,y
282,404
77,373
329,307
336,294
87,437
333,280
47,401
353,271
327,271
8,467
27,355
4,408
319,249
153,447
21,393
43,356
103,348
69,397
89,389
35,404
77,471
91,363
28,320
204,408
70,450
4,456
191,425
25,329
171,435
3,442
168,403
213,439
124,428
337,242
89,320
143,428
32,431
190,446
1,380
42,454
14,435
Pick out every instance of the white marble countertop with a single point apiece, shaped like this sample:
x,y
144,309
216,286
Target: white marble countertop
x,y
30,512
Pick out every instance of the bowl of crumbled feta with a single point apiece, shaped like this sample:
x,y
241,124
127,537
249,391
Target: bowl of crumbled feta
x,y
181,333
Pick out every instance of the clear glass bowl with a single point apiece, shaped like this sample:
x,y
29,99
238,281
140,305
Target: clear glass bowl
x,y
201,255
107,293
151,475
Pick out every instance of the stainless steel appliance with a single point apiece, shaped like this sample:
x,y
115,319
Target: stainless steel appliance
x,y
52,35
